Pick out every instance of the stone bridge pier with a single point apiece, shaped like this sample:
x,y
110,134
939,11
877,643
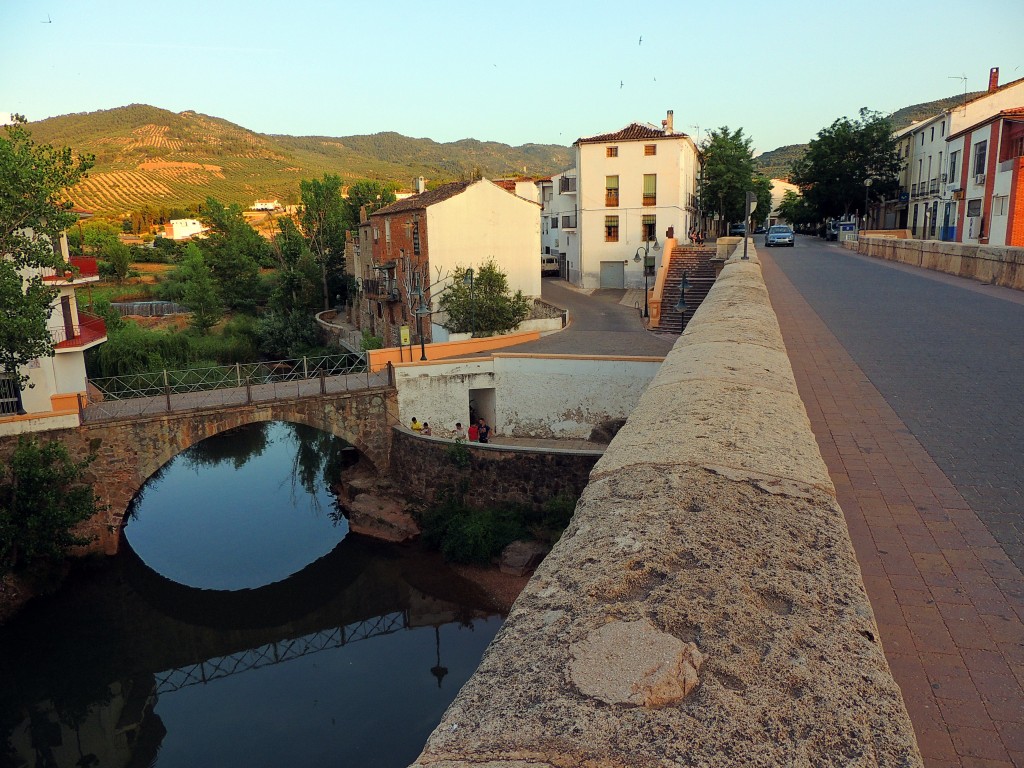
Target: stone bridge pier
x,y
128,451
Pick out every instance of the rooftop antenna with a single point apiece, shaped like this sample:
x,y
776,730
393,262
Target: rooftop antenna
x,y
963,79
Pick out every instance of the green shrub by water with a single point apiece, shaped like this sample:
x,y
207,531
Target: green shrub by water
x,y
464,534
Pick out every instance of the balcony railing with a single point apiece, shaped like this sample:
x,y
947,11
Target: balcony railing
x,y
933,186
87,266
89,329
611,198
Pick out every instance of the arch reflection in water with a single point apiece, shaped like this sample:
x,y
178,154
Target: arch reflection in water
x,y
130,673
242,509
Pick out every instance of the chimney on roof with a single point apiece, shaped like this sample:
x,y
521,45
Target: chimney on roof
x,y
420,185
993,79
666,124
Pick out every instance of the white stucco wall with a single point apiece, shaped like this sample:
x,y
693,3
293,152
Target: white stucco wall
x,y
984,107
485,222
676,167
547,396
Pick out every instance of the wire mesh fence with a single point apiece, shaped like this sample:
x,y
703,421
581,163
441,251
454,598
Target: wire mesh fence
x,y
156,392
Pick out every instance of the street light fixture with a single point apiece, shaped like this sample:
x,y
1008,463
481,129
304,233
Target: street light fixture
x,y
467,280
421,311
648,264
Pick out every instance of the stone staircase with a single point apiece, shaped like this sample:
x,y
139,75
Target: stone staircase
x,y
696,262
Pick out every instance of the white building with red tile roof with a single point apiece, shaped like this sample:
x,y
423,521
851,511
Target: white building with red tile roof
x,y
631,186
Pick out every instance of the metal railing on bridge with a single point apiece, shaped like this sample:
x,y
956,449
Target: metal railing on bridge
x,y
143,394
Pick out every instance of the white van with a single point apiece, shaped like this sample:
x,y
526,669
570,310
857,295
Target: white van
x,y
549,266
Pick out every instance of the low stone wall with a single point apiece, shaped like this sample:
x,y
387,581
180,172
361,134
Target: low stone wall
x,y
993,264
705,606
423,468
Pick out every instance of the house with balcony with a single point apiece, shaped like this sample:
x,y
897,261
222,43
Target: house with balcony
x,y
57,384
408,250
559,221
990,180
632,185
947,190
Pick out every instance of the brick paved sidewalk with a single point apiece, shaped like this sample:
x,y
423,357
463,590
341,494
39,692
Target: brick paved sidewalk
x,y
948,601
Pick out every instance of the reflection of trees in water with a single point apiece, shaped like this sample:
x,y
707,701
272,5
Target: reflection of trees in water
x,y
319,459
235,446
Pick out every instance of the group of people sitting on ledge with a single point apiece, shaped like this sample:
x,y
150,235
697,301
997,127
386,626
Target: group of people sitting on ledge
x,y
478,432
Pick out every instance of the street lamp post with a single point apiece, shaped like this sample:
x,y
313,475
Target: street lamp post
x,y
681,304
467,280
421,311
646,251
867,188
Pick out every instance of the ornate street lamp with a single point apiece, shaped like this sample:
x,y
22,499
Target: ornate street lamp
x,y
648,264
421,311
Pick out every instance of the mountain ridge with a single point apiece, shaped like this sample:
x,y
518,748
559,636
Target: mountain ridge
x,y
148,156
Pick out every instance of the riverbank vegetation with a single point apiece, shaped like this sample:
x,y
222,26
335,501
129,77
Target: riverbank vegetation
x,y
468,534
43,496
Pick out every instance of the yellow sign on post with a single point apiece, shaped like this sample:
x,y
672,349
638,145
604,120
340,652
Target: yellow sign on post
x,y
406,338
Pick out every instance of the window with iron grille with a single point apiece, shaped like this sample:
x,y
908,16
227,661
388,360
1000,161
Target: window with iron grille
x,y
650,227
416,238
650,189
611,191
567,184
650,149
568,221
611,152
611,229
10,395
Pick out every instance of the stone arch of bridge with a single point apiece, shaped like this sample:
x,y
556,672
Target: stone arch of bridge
x,y
130,451
200,430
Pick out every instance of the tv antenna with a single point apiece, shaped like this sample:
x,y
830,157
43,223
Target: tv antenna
x,y
962,79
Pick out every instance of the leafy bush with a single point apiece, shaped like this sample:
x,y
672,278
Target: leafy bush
x,y
285,335
40,504
467,535
369,341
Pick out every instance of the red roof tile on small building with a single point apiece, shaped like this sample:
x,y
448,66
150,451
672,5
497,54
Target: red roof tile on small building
x,y
422,200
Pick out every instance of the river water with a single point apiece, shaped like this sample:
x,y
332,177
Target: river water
x,y
241,625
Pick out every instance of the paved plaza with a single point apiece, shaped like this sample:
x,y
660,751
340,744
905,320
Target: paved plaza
x,y
912,381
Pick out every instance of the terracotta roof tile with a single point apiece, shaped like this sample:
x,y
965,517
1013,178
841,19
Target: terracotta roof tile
x,y
632,132
422,200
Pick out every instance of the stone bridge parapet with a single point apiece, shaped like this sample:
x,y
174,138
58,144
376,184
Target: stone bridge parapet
x,y
705,606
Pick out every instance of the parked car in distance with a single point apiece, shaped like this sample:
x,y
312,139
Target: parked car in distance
x,y
737,230
759,230
549,266
779,234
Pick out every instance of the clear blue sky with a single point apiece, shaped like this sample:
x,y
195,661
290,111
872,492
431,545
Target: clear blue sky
x,y
544,72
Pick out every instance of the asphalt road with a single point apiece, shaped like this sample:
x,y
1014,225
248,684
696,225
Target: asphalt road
x,y
946,353
598,325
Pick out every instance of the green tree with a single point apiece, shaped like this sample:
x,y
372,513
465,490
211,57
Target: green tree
x,y
234,252
831,174
488,307
372,193
728,171
323,221
33,213
101,240
42,500
200,291
298,281
762,187
795,210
